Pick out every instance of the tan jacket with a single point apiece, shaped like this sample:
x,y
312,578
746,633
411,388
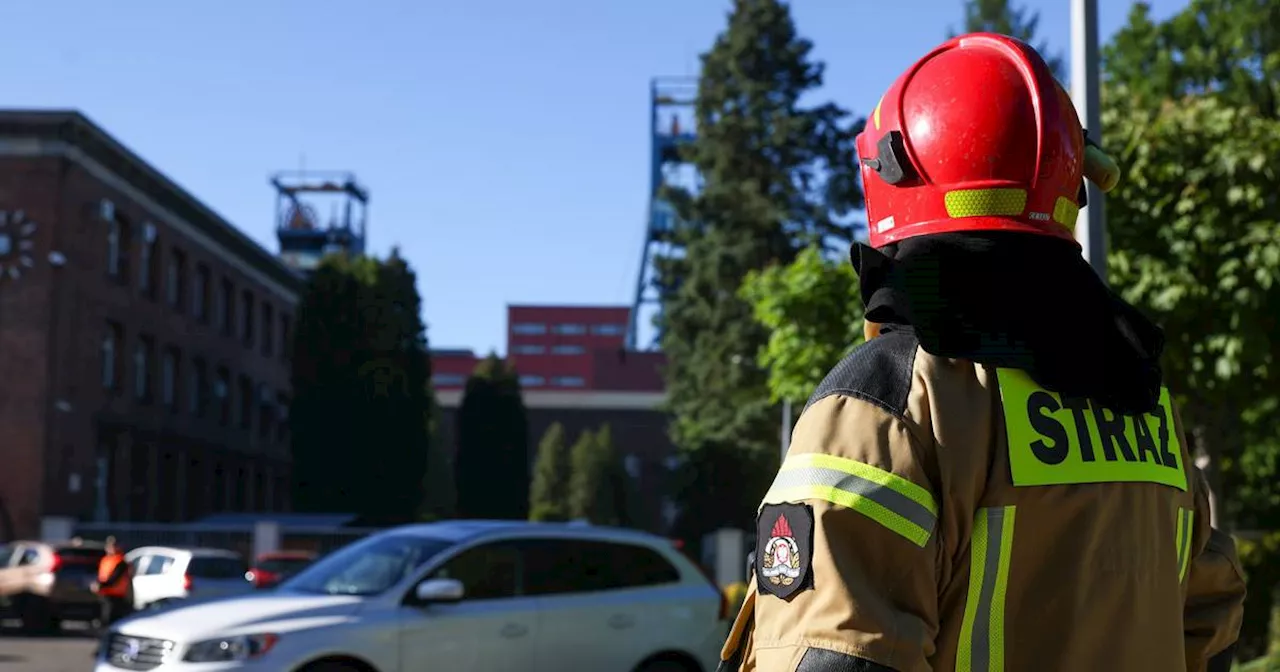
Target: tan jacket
x,y
942,515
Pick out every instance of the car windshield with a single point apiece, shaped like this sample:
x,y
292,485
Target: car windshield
x,y
367,567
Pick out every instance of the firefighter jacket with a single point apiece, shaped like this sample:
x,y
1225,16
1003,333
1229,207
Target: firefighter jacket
x,y
936,514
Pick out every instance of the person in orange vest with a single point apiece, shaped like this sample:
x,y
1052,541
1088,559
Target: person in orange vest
x,y
115,584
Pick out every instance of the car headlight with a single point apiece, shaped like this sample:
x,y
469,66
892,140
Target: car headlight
x,y
222,649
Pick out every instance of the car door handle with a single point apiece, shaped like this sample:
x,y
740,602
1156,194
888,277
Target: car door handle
x,y
513,630
621,621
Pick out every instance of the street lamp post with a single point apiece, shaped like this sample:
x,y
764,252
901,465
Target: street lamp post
x,y
1090,223
786,427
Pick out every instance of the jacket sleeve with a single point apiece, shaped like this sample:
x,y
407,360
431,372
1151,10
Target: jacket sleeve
x,y
1214,607
866,595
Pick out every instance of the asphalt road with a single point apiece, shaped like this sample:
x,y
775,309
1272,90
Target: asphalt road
x,y
70,651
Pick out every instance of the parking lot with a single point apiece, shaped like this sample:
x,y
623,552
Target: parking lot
x,y
70,651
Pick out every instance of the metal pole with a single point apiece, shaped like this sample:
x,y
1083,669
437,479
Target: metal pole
x,y
1091,228
786,427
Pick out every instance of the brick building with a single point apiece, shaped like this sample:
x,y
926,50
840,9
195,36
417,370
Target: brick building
x,y
575,370
142,339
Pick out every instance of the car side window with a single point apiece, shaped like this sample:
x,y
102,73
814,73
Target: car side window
x,y
30,556
139,564
157,564
487,572
565,566
6,554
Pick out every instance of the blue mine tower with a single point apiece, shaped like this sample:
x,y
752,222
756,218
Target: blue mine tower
x,y
302,199
671,127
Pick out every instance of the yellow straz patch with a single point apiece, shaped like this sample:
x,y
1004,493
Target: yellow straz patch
x,y
1056,441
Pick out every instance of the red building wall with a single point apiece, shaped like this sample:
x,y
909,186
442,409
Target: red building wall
x,y
554,347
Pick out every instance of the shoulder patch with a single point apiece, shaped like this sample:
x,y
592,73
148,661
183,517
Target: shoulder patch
x,y
878,371
784,549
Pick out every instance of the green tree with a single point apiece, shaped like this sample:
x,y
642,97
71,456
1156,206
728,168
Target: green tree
x,y
1189,110
360,374
549,494
1227,48
493,444
777,175
813,313
1001,16
597,482
440,498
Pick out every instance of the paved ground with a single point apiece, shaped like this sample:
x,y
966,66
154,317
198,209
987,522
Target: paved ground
x,y
70,651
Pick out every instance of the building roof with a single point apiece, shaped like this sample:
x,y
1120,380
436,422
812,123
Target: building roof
x,y
75,129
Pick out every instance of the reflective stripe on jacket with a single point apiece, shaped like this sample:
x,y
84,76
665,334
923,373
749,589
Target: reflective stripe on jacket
x,y
963,518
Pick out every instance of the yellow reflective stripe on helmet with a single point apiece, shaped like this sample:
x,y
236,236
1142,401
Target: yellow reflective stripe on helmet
x,y
892,501
875,116
1065,212
1186,523
982,630
985,202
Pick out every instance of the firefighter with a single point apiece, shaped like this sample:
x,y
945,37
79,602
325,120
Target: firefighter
x,y
115,584
997,479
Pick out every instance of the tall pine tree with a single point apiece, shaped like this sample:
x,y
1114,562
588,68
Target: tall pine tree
x,y
1001,16
493,445
360,378
549,493
776,175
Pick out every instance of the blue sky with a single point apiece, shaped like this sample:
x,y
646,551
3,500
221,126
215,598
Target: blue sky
x,y
504,142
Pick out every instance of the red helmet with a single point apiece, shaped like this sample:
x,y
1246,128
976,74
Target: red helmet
x,y
976,136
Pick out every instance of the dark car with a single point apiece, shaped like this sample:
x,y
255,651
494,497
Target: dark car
x,y
44,584
272,568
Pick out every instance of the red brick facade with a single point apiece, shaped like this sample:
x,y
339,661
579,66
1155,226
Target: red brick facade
x,y
123,386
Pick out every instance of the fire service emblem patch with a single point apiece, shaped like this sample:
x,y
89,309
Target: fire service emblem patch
x,y
784,549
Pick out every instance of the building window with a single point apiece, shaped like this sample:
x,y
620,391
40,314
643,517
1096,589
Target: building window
x,y
169,378
173,282
608,329
286,337
448,380
111,354
197,388
244,389
632,464
226,297
529,328
532,381
222,394
569,329
142,355
268,329
246,317
118,235
148,265
200,294
528,349
282,417
266,410
568,350
568,381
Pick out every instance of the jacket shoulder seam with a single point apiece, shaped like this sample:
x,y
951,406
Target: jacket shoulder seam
x,y
879,372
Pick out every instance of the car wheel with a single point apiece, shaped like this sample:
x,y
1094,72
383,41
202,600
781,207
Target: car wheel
x,y
333,666
665,666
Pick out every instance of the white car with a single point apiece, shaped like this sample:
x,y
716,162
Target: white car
x,y
162,574
477,595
